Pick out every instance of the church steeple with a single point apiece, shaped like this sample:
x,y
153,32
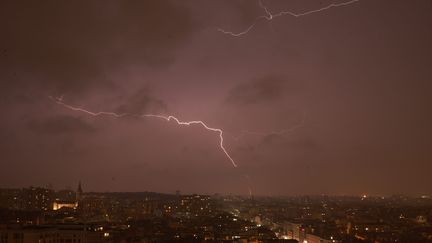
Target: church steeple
x,y
79,192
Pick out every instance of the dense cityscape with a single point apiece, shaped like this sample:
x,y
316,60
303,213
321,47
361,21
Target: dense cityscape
x,y
43,215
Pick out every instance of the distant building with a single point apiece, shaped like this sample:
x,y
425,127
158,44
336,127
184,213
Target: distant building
x,y
79,192
294,231
57,205
67,203
54,233
315,239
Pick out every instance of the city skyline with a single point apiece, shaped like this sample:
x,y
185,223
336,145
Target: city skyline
x,y
232,97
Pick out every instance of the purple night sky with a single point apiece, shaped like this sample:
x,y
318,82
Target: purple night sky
x,y
352,84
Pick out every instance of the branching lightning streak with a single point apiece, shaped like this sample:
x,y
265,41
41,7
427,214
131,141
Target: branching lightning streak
x,y
218,130
249,182
270,16
59,101
280,132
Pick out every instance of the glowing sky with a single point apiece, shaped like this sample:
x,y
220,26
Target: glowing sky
x,y
351,86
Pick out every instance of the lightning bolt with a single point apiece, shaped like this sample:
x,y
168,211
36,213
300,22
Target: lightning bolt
x,y
218,130
59,101
270,16
279,132
249,182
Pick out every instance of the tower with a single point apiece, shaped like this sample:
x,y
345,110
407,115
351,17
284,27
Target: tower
x,y
79,192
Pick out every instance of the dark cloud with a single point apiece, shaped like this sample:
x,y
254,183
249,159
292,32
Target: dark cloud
x,y
142,101
299,144
60,125
264,89
361,73
71,47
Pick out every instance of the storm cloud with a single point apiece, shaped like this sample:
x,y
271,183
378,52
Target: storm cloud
x,y
260,90
72,47
61,125
361,73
